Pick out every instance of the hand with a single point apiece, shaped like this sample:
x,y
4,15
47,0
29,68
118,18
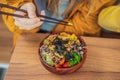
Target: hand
x,y
28,23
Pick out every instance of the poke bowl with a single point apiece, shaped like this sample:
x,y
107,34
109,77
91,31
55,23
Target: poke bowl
x,y
62,53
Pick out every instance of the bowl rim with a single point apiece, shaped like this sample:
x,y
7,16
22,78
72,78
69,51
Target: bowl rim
x,y
69,68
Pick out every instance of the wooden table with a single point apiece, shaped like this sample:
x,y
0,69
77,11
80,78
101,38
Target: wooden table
x,y
102,63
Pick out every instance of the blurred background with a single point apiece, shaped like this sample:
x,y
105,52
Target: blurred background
x,y
5,48
5,42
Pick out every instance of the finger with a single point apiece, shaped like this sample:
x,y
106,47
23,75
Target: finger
x,y
20,25
17,23
31,10
42,13
34,26
27,27
27,21
19,13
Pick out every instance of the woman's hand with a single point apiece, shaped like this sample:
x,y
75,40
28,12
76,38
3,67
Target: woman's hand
x,y
28,23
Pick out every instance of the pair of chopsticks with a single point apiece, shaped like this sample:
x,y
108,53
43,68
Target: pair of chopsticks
x,y
49,19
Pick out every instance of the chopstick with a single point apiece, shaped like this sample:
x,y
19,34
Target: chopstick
x,y
11,7
16,15
53,20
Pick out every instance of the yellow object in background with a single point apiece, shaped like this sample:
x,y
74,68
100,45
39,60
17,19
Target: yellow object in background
x,y
109,18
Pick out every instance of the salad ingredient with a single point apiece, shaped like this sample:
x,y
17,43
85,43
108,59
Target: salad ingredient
x,y
48,59
66,65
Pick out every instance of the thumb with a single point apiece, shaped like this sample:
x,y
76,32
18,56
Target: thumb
x,y
31,10
42,13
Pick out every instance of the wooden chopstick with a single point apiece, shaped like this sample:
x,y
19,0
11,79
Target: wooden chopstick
x,y
53,20
16,15
11,7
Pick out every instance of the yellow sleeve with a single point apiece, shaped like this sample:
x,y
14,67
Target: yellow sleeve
x,y
9,21
109,18
84,17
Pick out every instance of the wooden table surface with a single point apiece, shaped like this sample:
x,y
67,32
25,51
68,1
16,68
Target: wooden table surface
x,y
102,63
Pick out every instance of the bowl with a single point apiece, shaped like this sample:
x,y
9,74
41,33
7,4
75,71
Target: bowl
x,y
63,70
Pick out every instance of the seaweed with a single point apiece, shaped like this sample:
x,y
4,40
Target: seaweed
x,y
59,45
69,56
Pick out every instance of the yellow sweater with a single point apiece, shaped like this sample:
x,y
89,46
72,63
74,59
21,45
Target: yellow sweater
x,y
84,17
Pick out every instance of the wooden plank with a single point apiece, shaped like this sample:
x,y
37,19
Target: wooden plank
x,y
6,43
